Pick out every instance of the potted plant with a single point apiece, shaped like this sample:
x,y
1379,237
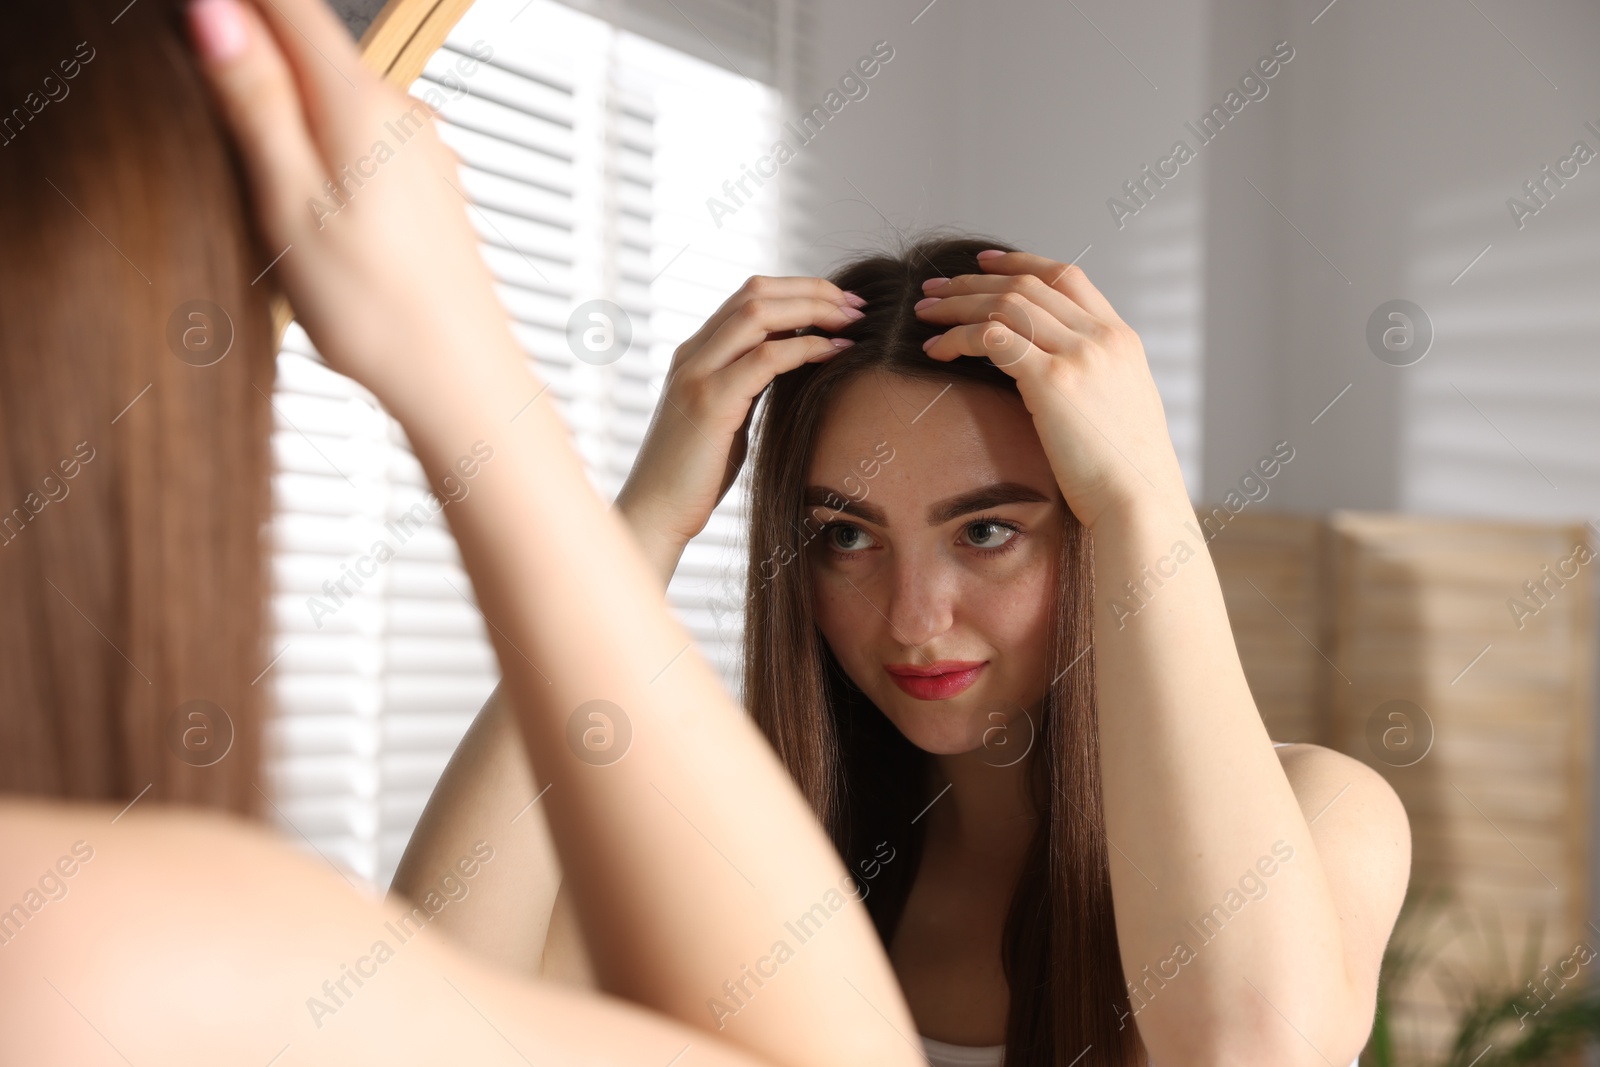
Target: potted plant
x,y
1540,1011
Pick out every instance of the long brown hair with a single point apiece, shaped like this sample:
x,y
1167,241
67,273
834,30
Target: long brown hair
x,y
134,482
863,778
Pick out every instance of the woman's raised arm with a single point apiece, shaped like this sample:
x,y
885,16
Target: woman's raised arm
x,y
1198,807
689,459
487,793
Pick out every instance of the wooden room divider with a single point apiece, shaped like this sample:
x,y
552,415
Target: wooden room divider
x,y
1457,658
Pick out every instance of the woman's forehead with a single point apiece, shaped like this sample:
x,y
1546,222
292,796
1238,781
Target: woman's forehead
x,y
941,432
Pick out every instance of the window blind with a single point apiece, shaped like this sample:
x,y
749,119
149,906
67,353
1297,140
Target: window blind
x,y
587,155
748,37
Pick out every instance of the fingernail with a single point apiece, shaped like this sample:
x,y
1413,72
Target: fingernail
x,y
929,342
927,301
853,313
934,283
989,254
218,29
854,300
841,342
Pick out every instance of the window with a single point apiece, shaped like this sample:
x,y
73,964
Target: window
x,y
588,153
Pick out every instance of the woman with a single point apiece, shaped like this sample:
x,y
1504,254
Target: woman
x,y
987,640
135,932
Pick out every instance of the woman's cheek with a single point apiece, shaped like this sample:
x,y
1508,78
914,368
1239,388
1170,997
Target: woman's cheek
x,y
1015,601
829,604
844,625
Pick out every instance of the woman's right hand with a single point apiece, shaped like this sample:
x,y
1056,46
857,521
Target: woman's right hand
x,y
699,434
356,195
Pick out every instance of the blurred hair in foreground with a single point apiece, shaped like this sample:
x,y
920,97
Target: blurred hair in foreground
x,y
134,488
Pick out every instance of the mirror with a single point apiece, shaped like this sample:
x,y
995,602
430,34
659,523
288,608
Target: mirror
x,y
1359,245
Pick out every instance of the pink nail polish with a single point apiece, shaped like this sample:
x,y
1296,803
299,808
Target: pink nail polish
x,y
929,342
934,283
989,254
218,29
854,300
925,302
841,342
853,314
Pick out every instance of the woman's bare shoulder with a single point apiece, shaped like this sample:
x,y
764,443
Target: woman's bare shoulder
x,y
1322,777
1363,838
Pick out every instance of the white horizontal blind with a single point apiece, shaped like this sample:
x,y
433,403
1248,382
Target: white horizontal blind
x,y
588,154
747,37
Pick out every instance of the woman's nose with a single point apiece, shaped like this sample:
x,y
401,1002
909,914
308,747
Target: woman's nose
x,y
921,598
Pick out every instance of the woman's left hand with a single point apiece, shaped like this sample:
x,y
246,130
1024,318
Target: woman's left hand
x,y
1082,373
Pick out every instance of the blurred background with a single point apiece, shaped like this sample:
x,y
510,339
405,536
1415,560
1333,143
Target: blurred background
x,y
1366,236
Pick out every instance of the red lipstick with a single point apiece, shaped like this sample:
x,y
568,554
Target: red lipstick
x,y
935,681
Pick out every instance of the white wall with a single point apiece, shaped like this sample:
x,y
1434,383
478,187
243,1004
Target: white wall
x,y
1408,131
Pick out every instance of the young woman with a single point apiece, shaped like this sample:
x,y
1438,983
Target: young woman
x,y
986,638
133,932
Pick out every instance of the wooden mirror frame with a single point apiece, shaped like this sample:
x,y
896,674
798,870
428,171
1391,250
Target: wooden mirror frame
x,y
406,33
397,45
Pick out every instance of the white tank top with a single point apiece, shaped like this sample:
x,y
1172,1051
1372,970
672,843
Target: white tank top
x,y
944,1054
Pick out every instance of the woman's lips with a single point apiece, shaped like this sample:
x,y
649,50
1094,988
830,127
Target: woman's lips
x,y
938,681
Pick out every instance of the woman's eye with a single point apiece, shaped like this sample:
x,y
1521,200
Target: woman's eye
x,y
988,534
847,538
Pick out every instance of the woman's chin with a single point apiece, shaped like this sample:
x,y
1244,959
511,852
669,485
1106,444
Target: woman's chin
x,y
938,731
956,727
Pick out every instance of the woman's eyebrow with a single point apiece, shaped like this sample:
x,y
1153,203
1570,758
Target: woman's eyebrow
x,y
820,496
942,511
990,496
